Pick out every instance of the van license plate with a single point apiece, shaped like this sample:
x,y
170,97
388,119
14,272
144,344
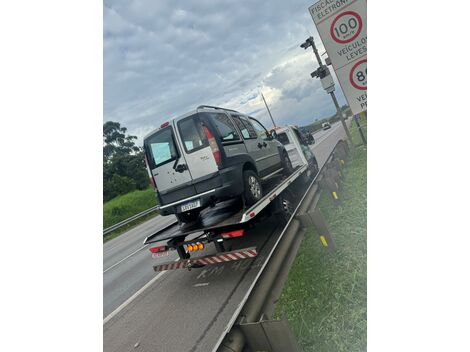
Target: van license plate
x,y
191,205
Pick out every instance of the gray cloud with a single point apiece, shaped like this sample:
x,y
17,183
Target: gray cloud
x,y
164,58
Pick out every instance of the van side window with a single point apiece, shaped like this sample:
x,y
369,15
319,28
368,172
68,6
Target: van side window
x,y
192,134
242,126
225,127
260,130
251,129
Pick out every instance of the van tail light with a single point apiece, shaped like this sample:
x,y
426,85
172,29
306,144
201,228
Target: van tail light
x,y
232,234
213,145
152,181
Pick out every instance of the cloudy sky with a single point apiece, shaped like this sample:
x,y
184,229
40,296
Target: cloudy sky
x,y
164,58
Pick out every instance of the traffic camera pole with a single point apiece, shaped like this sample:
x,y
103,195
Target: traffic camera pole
x,y
323,68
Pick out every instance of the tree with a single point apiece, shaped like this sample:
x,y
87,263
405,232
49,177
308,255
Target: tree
x,y
123,162
116,142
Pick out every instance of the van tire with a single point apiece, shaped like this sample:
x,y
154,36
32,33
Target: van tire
x,y
253,190
188,216
286,164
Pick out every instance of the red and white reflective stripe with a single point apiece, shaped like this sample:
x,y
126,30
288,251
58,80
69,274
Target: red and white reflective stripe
x,y
170,266
213,259
227,257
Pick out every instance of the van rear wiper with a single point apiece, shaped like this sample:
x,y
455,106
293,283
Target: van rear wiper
x,y
176,162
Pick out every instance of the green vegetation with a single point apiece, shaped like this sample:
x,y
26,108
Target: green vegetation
x,y
125,206
355,130
123,162
325,296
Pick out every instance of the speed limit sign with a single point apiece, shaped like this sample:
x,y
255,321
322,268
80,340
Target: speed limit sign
x,y
358,75
346,27
342,26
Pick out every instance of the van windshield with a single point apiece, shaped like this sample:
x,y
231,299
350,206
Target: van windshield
x,y
160,148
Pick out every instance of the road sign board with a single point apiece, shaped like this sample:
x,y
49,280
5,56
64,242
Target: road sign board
x,y
342,25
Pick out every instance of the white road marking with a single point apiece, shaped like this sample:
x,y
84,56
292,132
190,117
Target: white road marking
x,y
119,262
134,296
201,284
326,135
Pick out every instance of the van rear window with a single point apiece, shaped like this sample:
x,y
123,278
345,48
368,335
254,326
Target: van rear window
x,y
192,134
160,148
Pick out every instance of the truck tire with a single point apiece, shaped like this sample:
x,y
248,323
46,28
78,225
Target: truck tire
x,y
286,164
188,217
253,191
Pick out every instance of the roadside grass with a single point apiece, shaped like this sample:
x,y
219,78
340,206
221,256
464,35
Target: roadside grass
x,y
125,206
355,130
325,296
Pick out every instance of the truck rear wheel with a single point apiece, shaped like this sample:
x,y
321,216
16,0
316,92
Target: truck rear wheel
x,y
253,190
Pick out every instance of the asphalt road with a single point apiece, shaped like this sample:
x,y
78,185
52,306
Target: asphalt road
x,y
182,310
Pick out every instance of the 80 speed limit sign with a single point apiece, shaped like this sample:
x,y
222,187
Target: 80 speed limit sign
x,y
342,26
358,75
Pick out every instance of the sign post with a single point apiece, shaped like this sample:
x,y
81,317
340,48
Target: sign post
x,y
323,73
342,25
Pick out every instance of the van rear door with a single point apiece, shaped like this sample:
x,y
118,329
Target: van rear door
x,y
166,161
199,148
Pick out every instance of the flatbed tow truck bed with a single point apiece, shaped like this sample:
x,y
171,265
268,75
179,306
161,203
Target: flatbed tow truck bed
x,y
225,221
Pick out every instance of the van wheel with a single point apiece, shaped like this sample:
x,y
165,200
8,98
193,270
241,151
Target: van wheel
x,y
286,164
188,216
253,190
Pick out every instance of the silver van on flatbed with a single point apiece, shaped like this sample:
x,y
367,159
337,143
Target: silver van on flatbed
x,y
210,155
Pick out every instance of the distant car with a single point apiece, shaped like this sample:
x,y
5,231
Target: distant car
x,y
326,125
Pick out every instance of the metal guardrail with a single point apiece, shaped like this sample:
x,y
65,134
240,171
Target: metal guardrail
x,y
129,220
253,327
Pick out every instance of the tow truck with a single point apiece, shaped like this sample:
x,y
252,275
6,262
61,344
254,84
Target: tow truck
x,y
228,220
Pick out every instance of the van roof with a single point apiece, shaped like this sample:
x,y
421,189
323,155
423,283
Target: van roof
x,y
199,108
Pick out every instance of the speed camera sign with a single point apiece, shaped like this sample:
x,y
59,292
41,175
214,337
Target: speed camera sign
x,y
342,25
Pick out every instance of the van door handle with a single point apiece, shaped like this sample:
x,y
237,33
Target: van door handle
x,y
260,145
181,168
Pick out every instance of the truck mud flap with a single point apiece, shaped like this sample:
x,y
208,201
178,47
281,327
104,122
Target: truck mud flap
x,y
219,258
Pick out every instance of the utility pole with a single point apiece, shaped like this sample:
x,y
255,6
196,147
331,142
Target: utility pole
x,y
267,107
323,72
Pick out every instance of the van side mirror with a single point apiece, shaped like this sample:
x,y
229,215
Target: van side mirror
x,y
272,135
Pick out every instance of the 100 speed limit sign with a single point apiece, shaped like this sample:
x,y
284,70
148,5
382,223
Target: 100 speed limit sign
x,y
342,25
346,27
